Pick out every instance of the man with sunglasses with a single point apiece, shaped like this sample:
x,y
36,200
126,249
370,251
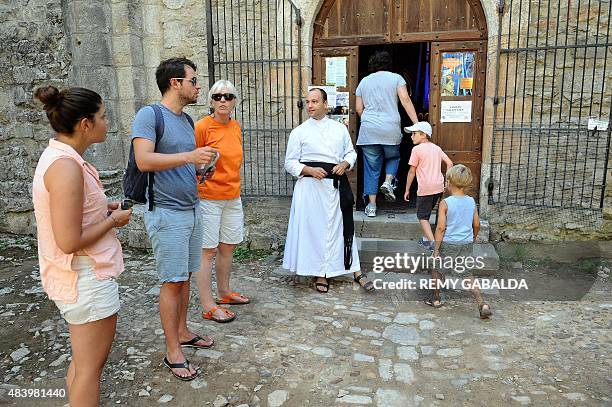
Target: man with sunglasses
x,y
174,225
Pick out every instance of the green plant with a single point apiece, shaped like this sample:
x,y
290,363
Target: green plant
x,y
244,253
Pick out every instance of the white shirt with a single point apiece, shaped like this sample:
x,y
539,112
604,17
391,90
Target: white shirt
x,y
322,140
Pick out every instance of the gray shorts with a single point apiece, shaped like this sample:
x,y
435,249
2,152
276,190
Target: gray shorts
x,y
176,237
456,258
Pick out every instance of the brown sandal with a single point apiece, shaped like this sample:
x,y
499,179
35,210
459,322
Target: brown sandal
x,y
484,313
210,315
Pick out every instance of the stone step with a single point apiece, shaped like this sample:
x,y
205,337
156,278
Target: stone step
x,y
409,251
389,225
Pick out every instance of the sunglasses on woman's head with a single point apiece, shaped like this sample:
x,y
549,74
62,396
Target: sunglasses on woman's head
x,y
227,96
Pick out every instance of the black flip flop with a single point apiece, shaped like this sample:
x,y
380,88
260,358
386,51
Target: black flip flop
x,y
196,339
184,365
369,286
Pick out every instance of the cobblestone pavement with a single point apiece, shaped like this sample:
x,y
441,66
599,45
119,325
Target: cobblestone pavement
x,y
295,347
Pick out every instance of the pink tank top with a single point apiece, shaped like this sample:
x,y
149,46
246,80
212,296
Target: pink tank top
x,y
58,278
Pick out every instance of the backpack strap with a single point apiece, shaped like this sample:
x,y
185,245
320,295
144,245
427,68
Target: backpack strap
x,y
190,120
159,133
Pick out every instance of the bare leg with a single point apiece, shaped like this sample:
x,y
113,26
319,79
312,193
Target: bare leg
x,y
475,291
223,267
389,178
426,226
436,275
170,308
184,333
91,344
372,199
204,282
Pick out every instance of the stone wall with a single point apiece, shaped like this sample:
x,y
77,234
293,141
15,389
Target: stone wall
x,y
547,169
34,51
114,46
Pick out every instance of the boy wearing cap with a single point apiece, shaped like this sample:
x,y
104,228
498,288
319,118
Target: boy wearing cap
x,y
426,163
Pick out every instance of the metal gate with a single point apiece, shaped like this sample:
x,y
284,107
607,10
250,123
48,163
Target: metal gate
x,y
256,44
553,99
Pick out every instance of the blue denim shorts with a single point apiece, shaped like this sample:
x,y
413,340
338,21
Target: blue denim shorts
x,y
176,237
374,157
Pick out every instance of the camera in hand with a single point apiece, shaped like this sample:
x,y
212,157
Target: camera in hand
x,y
127,203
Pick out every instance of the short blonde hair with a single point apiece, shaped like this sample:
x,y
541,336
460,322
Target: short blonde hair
x,y
459,175
221,84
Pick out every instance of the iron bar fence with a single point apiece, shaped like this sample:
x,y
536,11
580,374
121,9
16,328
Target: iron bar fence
x,y
255,44
553,80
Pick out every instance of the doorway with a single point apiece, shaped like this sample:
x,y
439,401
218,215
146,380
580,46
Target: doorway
x,y
411,61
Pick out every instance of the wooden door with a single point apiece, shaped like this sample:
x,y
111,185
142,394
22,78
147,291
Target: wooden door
x,y
456,102
349,56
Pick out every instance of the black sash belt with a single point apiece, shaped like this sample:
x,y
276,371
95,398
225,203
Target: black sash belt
x,y
347,200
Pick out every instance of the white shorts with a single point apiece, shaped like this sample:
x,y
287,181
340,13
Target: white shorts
x,y
96,299
223,222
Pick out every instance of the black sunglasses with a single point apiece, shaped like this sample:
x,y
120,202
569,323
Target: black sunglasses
x,y
194,80
228,96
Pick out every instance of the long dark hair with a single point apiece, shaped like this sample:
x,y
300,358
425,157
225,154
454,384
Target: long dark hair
x,y
66,108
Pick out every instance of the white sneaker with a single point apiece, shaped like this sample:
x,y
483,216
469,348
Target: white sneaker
x,y
387,189
370,210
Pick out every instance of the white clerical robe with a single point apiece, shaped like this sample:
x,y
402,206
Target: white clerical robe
x,y
315,243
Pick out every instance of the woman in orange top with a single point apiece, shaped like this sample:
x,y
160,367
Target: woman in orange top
x,y
220,202
78,250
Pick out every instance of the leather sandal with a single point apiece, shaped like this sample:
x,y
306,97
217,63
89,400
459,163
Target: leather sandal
x,y
484,313
368,285
210,315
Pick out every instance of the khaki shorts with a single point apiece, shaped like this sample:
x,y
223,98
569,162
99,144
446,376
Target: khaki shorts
x,y
96,299
223,222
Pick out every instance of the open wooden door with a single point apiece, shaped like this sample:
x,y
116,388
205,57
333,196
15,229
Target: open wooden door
x,y
456,103
349,57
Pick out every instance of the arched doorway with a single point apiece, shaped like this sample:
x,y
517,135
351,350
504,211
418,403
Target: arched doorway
x,y
439,46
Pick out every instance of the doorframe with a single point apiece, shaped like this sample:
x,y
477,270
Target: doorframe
x,y
310,11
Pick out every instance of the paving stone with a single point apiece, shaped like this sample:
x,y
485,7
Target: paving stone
x,y
359,357
400,334
405,318
403,373
277,398
385,369
355,399
407,353
321,351
391,398
449,352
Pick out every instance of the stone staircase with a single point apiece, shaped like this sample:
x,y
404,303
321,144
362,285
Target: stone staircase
x,y
389,234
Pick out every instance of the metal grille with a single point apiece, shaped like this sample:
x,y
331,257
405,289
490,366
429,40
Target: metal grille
x,y
256,44
554,74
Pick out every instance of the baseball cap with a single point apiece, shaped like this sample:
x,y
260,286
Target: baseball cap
x,y
420,126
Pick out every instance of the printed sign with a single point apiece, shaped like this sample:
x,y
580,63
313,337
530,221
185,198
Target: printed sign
x,y
331,94
596,123
335,71
455,111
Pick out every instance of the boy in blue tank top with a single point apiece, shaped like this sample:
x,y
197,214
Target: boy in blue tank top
x,y
458,226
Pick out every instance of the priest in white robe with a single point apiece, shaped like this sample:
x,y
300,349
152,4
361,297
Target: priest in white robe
x,y
316,238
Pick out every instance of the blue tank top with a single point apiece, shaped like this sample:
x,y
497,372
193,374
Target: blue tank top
x,y
459,218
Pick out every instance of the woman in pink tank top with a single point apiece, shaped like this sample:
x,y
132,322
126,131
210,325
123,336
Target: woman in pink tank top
x,y
78,250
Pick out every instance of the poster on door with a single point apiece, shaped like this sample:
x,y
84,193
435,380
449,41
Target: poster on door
x,y
456,111
457,74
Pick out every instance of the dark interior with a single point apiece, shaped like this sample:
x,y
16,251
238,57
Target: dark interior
x,y
412,62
